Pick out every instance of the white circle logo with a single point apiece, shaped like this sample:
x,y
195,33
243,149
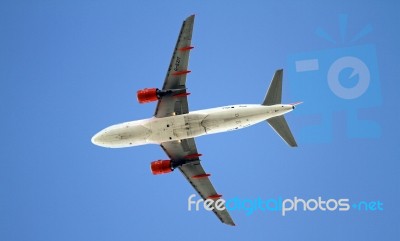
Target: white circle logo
x,y
358,67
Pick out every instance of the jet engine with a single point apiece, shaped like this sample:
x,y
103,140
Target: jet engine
x,y
161,167
148,95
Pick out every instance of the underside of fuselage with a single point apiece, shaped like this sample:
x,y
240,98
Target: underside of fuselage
x,y
179,127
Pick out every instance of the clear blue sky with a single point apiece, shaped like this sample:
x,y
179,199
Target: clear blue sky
x,y
70,68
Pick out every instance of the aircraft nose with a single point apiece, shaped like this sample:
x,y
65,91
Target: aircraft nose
x,y
98,138
120,136
104,138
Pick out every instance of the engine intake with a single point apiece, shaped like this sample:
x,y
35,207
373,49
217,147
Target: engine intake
x,y
161,167
147,95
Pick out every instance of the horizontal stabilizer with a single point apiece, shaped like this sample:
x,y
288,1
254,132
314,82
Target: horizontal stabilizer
x,y
281,127
274,94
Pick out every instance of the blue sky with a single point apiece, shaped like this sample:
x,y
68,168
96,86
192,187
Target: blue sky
x,y
71,68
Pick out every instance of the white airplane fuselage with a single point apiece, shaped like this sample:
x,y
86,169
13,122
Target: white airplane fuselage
x,y
178,127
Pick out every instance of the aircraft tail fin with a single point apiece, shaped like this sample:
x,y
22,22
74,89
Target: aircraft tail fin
x,y
274,94
273,97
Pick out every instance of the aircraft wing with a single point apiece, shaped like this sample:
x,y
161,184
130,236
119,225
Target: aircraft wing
x,y
176,74
194,172
185,150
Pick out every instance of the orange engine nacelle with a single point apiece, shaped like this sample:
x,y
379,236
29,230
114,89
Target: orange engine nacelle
x,y
161,167
147,95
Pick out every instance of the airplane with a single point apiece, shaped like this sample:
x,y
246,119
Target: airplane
x,y
174,128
